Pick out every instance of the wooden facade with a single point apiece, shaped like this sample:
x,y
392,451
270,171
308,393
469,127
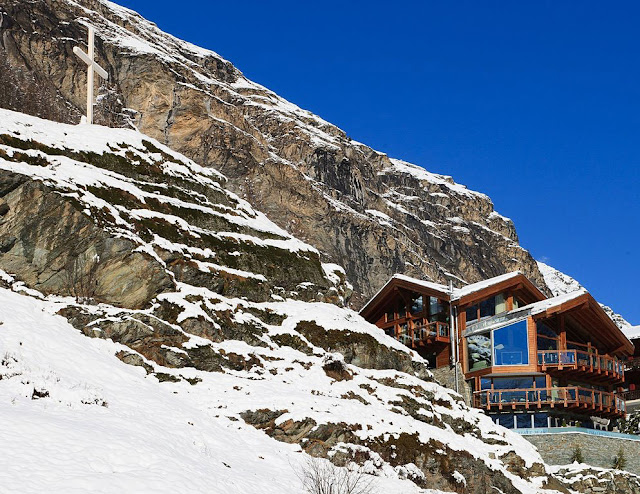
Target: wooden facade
x,y
563,356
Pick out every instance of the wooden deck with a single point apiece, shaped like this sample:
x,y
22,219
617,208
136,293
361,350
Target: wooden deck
x,y
578,399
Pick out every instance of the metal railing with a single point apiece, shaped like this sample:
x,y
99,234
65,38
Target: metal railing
x,y
577,358
564,396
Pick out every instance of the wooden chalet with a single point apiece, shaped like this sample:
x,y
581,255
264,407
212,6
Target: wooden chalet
x,y
530,361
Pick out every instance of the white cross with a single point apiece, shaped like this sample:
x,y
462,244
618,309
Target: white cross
x,y
92,67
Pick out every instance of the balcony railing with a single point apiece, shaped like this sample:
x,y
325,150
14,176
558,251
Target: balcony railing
x,y
420,334
577,359
572,396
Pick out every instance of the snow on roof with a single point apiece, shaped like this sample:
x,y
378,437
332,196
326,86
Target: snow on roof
x,y
458,293
427,284
632,332
543,305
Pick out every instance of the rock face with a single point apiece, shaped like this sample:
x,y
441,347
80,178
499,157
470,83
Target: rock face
x,y
369,213
137,244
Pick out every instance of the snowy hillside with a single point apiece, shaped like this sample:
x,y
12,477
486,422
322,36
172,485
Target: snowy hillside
x,y
236,360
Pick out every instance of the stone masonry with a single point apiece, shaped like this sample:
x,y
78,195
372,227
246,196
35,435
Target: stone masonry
x,y
599,451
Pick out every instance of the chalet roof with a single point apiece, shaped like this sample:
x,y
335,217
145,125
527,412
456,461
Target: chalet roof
x,y
554,302
459,293
462,295
589,311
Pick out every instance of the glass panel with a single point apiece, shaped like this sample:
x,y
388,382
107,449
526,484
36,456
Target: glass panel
x,y
488,307
438,312
479,351
540,420
485,383
517,303
506,421
391,315
524,421
541,381
501,304
472,313
402,310
511,344
513,382
416,304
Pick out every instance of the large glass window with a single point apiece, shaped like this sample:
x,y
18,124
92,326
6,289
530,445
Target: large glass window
x,y
501,303
479,351
438,312
391,315
416,304
524,421
511,344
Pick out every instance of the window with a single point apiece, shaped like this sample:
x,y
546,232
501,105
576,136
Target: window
x,y
472,313
488,307
416,304
524,421
479,351
402,310
438,312
501,303
511,344
485,383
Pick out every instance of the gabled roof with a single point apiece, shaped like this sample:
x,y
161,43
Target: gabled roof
x,y
590,315
466,294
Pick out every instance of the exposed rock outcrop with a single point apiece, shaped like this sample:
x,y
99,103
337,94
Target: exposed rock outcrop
x,y
371,214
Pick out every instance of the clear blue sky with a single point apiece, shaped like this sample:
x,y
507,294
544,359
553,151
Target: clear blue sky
x,y
536,104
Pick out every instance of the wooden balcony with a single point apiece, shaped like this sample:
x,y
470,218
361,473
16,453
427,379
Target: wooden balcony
x,y
419,335
578,399
578,363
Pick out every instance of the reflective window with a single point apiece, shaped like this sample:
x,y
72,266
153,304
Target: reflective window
x,y
416,304
541,420
438,312
488,307
541,382
479,351
472,313
513,382
402,310
524,421
506,421
485,383
501,303
511,344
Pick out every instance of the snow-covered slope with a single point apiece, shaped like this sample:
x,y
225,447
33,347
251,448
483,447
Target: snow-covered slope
x,y
237,362
75,420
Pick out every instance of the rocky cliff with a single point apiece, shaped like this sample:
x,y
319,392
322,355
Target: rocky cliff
x,y
360,209
136,244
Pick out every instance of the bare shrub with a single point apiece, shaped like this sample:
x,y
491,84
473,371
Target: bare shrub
x,y
80,278
322,477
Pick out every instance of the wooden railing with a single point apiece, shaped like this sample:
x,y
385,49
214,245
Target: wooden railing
x,y
572,396
576,359
421,333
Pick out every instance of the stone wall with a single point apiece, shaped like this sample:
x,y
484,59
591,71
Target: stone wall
x,y
446,377
599,451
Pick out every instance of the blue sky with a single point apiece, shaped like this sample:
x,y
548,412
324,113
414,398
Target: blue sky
x,y
536,104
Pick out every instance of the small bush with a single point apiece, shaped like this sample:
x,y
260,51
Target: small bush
x,y
577,455
322,477
619,462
